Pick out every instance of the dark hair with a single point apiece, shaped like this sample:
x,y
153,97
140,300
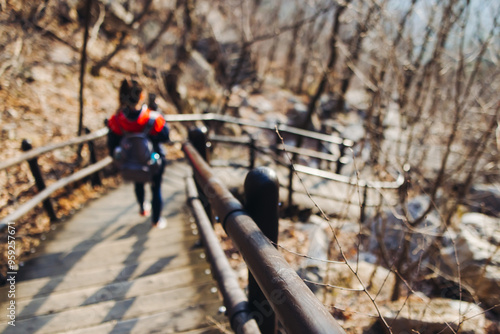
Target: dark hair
x,y
130,93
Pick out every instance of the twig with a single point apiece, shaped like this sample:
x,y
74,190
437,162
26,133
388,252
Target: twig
x,y
337,241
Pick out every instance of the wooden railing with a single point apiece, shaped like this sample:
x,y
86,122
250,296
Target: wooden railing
x,y
30,156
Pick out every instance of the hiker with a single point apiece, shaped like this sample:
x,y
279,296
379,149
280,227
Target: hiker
x,y
135,118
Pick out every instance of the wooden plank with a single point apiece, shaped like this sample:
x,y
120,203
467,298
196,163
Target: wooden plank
x,y
105,270
43,267
142,233
164,281
103,275
182,321
129,308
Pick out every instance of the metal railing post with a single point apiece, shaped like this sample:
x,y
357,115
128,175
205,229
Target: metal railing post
x,y
290,185
362,215
262,200
252,149
278,139
319,148
198,137
94,179
339,166
40,184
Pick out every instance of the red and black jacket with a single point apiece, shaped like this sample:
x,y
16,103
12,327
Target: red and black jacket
x,y
135,121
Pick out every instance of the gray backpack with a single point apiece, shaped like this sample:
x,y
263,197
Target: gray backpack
x,y
135,157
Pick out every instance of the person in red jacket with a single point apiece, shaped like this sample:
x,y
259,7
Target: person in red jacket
x,y
133,116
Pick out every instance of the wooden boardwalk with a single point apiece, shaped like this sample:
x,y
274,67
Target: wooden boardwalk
x,y
106,271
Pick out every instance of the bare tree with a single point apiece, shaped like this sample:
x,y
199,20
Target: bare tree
x,y
332,60
292,46
311,35
354,51
171,77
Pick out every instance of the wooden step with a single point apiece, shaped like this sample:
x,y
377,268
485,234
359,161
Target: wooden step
x,y
130,308
181,321
103,275
119,290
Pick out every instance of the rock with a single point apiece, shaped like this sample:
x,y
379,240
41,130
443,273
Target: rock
x,y
377,280
327,104
231,130
11,113
260,104
41,74
199,73
315,267
487,227
9,131
62,54
354,132
485,199
419,315
475,246
297,115
393,229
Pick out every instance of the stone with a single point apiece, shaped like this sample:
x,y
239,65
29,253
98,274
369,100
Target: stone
x,y
485,199
485,226
297,115
198,72
475,247
421,315
392,229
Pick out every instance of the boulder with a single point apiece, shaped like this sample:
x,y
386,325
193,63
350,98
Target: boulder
x,y
421,315
297,116
392,229
475,247
485,199
199,73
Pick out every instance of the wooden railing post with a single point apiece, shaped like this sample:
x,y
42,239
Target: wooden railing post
x,y
40,184
95,179
262,201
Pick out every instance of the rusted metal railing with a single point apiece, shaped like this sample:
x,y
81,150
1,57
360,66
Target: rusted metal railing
x,y
295,305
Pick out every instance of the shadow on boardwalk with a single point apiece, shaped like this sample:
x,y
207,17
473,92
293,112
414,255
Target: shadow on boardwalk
x,y
106,271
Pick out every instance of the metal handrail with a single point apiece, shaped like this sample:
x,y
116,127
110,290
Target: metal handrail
x,y
235,300
293,302
349,180
262,125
